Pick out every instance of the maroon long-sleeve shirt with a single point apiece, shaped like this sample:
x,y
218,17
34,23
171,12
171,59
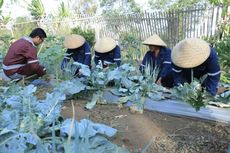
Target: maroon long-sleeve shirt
x,y
22,58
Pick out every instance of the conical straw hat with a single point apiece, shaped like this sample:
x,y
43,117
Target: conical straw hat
x,y
105,45
154,40
190,53
73,41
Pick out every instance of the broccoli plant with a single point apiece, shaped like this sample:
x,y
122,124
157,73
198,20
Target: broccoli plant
x,y
191,93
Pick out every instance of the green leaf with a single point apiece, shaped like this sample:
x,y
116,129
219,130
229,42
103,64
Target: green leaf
x,y
71,87
17,142
84,68
9,119
36,9
1,3
97,97
191,93
114,75
156,96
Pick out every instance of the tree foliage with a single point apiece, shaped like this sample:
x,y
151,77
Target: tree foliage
x,y
218,2
119,6
63,10
36,9
223,47
170,4
1,4
23,29
224,3
84,6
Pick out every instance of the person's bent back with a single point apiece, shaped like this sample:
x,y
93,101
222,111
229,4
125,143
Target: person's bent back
x,y
107,51
21,58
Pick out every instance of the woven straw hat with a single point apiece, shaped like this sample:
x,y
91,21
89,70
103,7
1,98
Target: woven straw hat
x,y
154,40
73,41
190,53
105,45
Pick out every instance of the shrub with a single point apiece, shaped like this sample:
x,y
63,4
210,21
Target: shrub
x,y
23,29
5,41
132,47
223,48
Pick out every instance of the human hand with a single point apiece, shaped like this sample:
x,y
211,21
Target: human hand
x,y
44,71
79,72
106,67
159,81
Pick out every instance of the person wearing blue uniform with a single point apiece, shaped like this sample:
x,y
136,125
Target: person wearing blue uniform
x,y
107,51
158,59
194,57
78,49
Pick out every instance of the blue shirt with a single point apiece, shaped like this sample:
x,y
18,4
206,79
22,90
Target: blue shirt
x,y
81,55
210,67
162,62
114,56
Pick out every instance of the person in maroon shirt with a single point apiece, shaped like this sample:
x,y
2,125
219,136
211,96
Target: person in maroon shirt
x,y
21,59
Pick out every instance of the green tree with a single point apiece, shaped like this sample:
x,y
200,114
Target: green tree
x,y
119,6
36,9
63,10
171,4
84,6
224,3
218,2
134,6
5,19
224,26
1,4
23,29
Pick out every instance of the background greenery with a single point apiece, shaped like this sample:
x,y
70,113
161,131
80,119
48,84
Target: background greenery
x,y
88,34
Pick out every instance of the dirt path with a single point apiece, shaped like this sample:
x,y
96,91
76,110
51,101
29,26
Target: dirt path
x,y
169,133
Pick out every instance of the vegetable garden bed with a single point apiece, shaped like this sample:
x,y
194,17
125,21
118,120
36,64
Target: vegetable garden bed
x,y
32,112
155,131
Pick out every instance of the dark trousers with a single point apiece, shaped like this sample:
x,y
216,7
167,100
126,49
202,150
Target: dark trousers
x,y
167,81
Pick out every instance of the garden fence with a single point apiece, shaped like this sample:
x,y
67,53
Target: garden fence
x,y
172,26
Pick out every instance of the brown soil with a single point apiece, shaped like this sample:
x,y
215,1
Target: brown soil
x,y
162,133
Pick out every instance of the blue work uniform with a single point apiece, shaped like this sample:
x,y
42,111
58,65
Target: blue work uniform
x,y
210,68
81,55
113,56
162,62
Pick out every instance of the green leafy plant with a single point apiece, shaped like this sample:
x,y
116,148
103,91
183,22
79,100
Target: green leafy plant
x,y
28,124
5,41
36,9
225,77
21,30
63,10
128,83
223,47
191,93
1,4
69,71
51,55
131,46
